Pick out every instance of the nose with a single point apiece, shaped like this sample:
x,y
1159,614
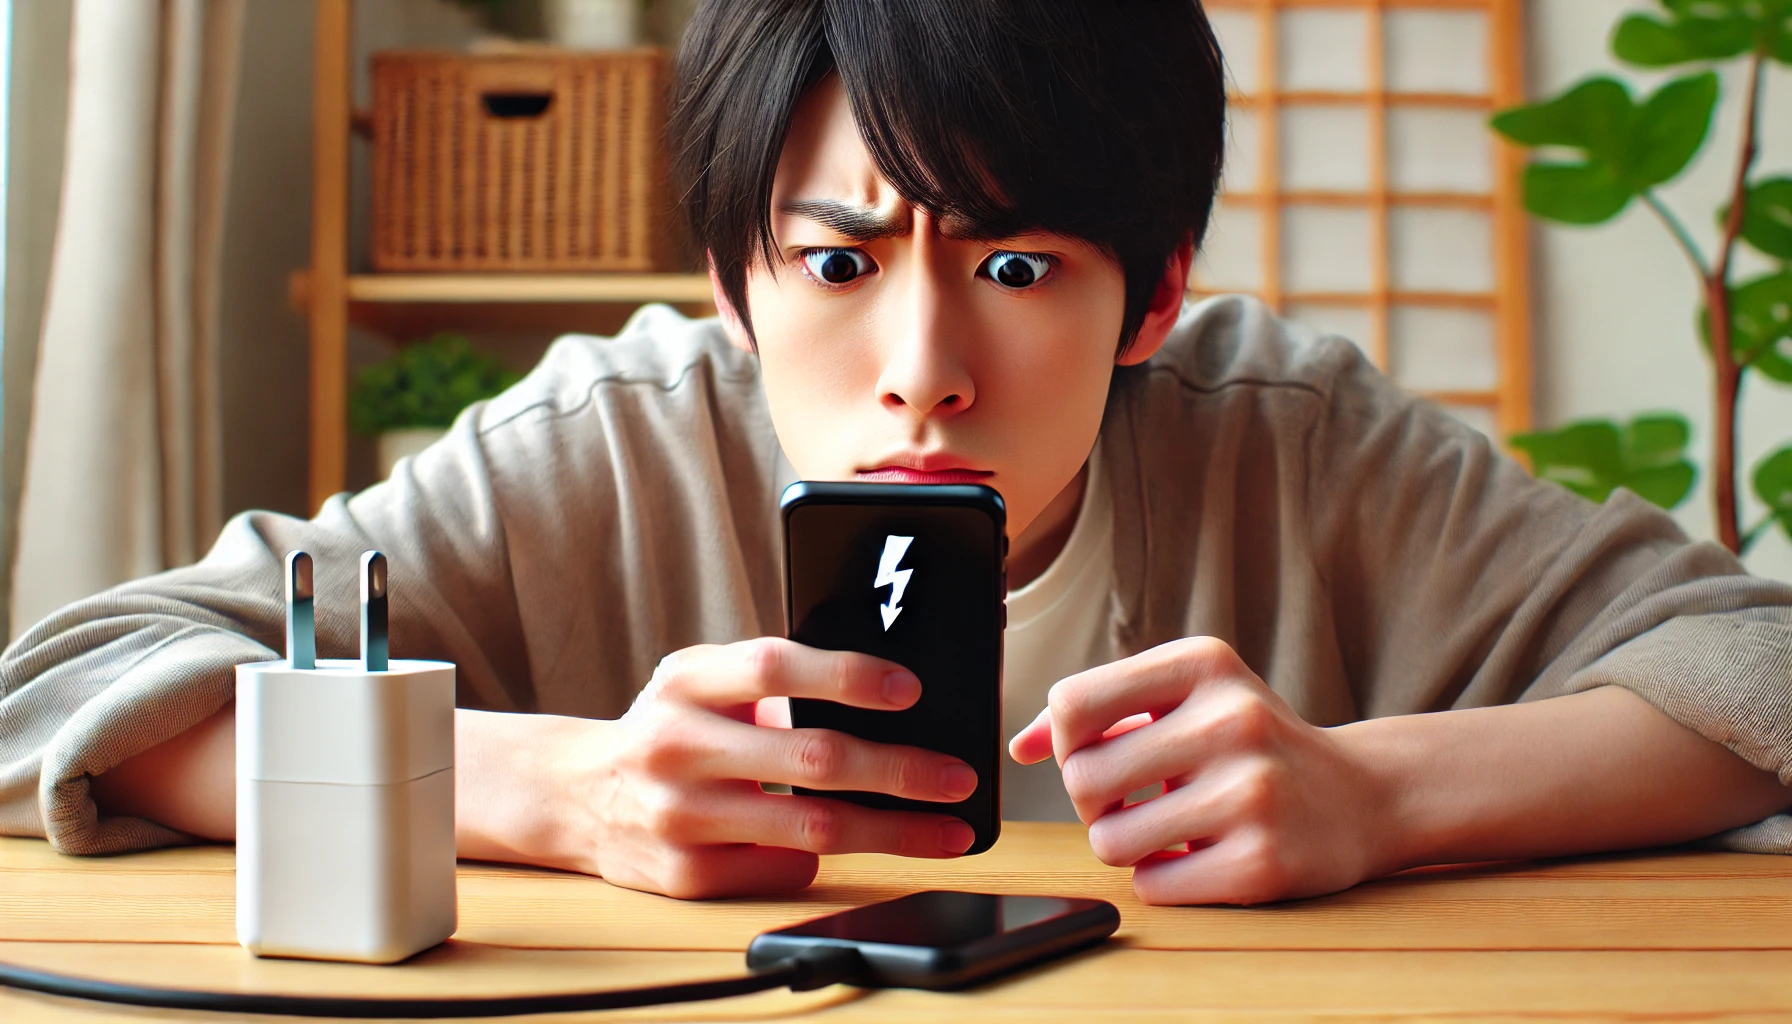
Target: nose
x,y
924,370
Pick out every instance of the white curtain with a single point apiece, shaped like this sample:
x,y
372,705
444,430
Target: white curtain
x,y
123,465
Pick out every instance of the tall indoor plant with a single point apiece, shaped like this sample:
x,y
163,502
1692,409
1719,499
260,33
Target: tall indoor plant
x,y
1623,150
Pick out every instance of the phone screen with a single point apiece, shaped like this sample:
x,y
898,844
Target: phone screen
x,y
940,920
914,575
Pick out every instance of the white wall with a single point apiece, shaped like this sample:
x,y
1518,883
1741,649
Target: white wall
x,y
1615,304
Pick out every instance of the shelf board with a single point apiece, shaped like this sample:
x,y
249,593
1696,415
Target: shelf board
x,y
403,306
508,288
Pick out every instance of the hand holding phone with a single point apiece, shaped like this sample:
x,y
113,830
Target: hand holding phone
x,y
672,787
913,574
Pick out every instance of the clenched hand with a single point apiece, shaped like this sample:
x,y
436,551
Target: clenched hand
x,y
672,788
1266,806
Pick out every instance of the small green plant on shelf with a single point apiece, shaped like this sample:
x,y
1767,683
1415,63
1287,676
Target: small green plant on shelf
x,y
426,384
1621,150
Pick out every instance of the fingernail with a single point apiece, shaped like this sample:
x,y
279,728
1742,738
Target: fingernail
x,y
956,836
901,687
958,781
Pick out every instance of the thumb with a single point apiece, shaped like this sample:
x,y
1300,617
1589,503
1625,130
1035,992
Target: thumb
x,y
1034,743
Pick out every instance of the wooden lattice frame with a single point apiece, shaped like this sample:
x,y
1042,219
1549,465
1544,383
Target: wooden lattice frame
x,y
1508,301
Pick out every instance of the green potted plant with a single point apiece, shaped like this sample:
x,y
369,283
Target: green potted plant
x,y
1605,150
407,402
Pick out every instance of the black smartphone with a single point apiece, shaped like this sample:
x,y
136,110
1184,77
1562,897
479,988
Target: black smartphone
x,y
912,573
946,939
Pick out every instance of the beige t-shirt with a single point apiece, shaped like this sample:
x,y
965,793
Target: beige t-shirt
x,y
1058,625
1364,553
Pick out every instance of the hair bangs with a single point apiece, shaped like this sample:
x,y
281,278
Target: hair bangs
x,y
1101,120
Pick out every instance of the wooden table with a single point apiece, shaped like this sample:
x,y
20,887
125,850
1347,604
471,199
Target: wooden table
x,y
1659,935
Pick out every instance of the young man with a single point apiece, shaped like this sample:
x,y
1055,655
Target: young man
x,y
950,242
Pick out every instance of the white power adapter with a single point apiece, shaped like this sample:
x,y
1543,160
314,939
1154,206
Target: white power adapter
x,y
344,792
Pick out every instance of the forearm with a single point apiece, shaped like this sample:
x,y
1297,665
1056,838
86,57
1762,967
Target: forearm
x,y
515,788
186,783
1599,770
509,784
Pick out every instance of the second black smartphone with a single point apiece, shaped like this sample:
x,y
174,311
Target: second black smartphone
x,y
945,940
912,574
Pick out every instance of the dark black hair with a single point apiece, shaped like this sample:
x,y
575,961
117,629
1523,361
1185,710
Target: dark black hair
x,y
1103,120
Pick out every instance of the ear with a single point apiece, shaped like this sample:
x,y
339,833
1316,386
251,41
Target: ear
x,y
732,324
1166,305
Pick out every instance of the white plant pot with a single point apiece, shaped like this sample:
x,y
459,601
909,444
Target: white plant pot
x,y
594,24
405,441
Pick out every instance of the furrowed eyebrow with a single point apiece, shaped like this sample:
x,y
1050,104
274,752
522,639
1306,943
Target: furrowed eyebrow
x,y
859,223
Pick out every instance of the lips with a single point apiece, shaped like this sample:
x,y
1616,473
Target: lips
x,y
904,475
914,468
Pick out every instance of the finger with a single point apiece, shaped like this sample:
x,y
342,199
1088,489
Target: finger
x,y
700,747
1033,743
827,759
1098,778
743,814
1198,814
746,672
1154,682
715,872
772,713
1131,756
1128,724
1247,867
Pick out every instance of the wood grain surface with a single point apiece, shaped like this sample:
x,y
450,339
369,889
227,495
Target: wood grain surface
x,y
1657,935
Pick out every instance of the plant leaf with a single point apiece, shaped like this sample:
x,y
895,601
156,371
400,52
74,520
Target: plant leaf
x,y
1666,486
1585,457
1647,43
1574,193
1656,440
1767,217
1594,115
1669,128
1592,458
1761,311
1697,30
426,384
1773,485
1627,148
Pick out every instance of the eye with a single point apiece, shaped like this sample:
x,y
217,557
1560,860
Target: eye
x,y
837,266
1017,271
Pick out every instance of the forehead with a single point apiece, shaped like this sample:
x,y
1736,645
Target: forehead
x,y
826,173
825,157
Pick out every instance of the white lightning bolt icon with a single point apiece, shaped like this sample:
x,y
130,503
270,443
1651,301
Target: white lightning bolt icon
x,y
887,573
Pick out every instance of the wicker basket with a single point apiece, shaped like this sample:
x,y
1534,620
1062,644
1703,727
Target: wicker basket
x,y
540,162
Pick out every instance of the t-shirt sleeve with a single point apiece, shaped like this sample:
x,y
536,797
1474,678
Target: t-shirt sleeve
x,y
614,506
1457,579
120,672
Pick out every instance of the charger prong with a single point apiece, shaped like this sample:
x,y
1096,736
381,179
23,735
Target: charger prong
x,y
301,617
374,585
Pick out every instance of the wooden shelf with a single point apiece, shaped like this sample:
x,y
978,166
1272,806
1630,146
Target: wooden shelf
x,y
514,288
406,306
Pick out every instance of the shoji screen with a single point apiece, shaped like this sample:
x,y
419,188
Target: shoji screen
x,y
1365,195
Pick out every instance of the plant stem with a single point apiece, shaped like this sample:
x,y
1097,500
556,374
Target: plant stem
x,y
1728,372
1678,230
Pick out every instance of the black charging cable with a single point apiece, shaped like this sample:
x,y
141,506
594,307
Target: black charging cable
x,y
815,967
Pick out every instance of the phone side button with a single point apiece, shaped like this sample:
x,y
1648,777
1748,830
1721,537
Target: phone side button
x,y
1004,615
